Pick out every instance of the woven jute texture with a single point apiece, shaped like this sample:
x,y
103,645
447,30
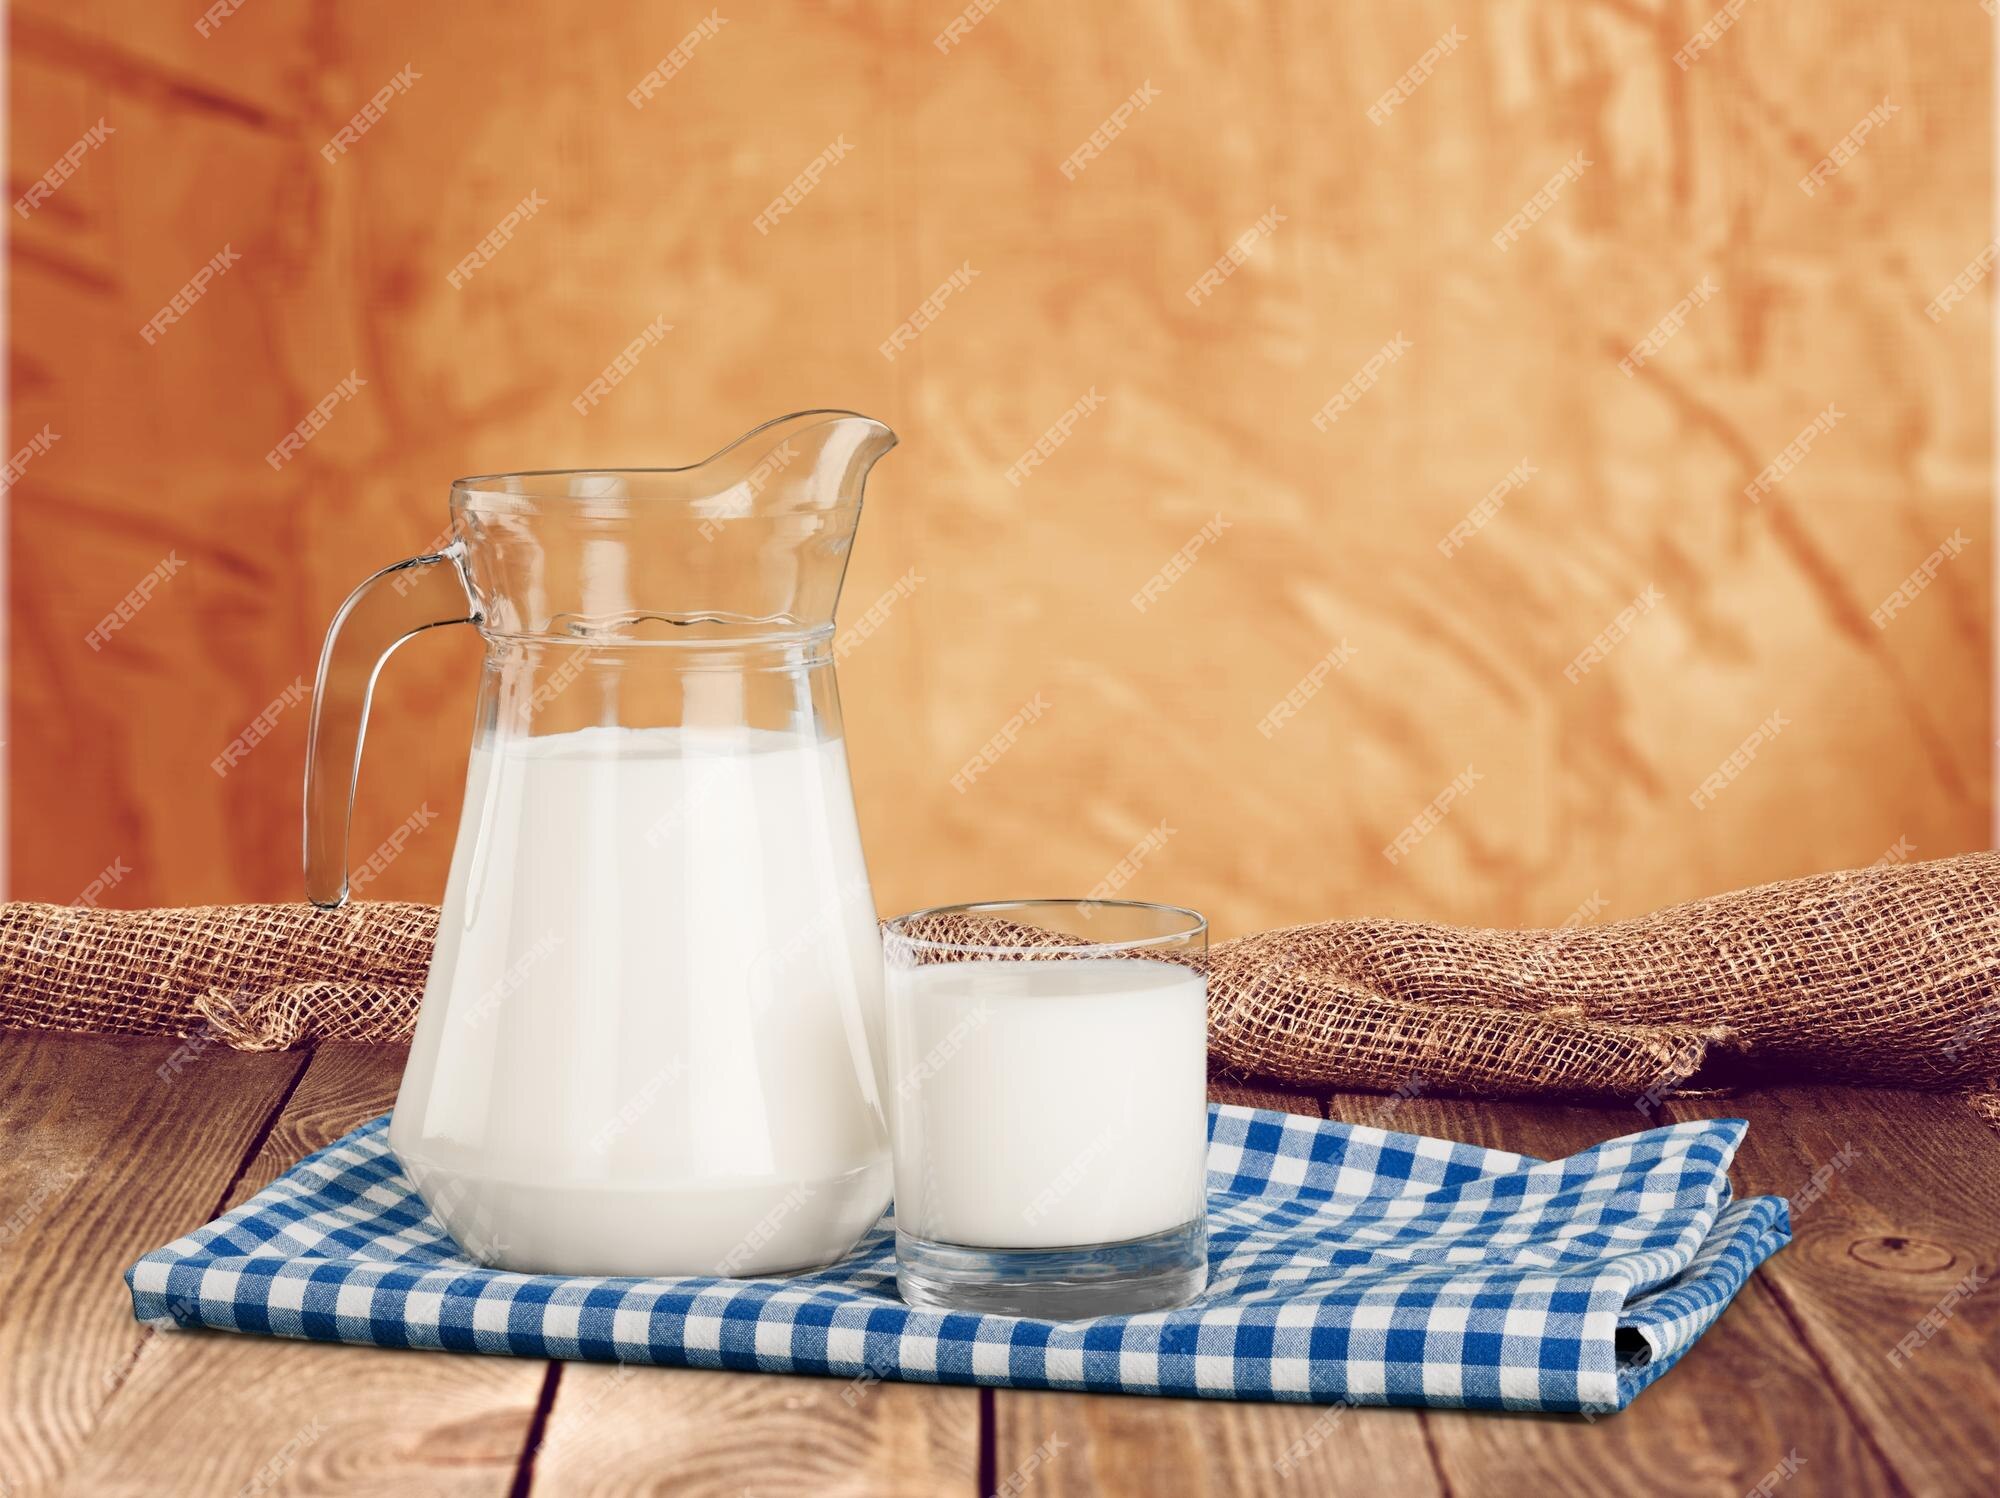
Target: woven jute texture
x,y
1888,974
260,976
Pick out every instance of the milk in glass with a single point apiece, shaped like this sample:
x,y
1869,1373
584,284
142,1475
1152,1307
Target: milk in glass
x,y
1046,1104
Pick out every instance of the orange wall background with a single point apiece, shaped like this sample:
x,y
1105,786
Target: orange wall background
x,y
952,157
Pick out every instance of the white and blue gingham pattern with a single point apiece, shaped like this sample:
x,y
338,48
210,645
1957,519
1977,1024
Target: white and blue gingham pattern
x,y
1347,1264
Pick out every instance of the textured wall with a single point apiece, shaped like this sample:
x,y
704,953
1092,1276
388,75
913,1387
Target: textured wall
x,y
1660,185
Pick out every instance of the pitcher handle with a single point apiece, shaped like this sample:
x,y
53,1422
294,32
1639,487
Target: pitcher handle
x,y
387,609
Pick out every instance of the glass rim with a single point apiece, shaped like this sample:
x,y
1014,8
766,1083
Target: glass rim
x,y
1195,929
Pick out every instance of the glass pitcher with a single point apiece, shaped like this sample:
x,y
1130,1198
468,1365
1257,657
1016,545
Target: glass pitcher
x,y
650,1036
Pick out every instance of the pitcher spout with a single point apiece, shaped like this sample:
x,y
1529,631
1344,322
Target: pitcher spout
x,y
755,535
810,460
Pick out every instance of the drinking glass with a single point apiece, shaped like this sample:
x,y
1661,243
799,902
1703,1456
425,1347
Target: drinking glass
x,y
1048,1107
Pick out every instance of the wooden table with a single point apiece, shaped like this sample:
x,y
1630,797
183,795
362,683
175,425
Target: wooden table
x,y
103,1155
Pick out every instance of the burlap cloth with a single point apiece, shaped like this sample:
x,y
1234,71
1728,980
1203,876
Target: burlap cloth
x,y
1879,975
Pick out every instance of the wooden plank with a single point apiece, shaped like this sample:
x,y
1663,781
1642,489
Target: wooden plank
x,y
109,1147
1103,1444
628,1429
1730,1412
1896,1219
1070,1445
690,1432
1259,1095
305,1416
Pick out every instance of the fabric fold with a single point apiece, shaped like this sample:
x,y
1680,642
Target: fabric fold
x,y
1347,1265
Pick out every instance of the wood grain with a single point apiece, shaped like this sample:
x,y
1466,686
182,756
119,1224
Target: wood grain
x,y
1734,1408
305,1417
1282,1100
627,1430
1121,1444
1905,1207
1075,1444
956,159
102,1158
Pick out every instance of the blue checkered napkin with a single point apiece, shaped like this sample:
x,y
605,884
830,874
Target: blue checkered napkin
x,y
1346,1265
